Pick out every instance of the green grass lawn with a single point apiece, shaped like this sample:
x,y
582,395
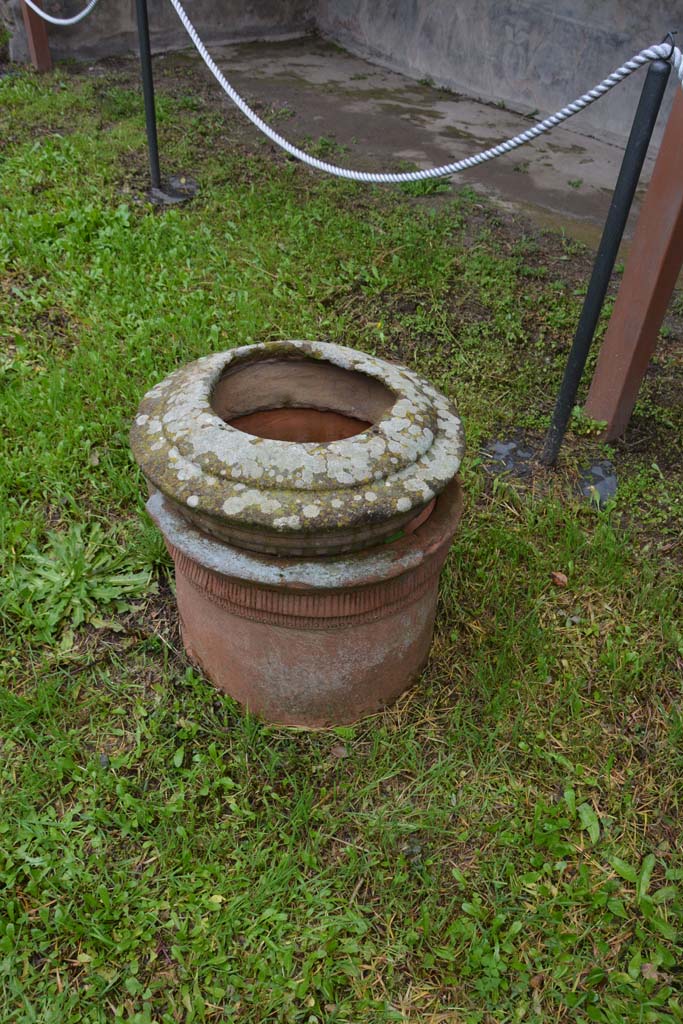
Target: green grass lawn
x,y
502,846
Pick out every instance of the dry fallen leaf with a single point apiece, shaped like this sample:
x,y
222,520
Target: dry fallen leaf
x,y
559,579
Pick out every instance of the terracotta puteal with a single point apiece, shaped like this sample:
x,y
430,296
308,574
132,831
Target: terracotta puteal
x,y
308,496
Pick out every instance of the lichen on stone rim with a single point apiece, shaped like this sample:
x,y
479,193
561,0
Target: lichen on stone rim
x,y
203,464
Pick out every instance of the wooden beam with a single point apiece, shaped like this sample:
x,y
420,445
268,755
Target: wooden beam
x,y
36,35
651,273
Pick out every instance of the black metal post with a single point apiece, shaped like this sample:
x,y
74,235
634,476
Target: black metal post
x,y
148,92
624,190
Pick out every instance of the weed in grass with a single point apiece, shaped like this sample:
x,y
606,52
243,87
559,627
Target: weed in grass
x,y
584,425
73,578
426,186
323,147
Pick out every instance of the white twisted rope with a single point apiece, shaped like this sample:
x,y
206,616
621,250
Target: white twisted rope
x,y
661,51
61,21
658,51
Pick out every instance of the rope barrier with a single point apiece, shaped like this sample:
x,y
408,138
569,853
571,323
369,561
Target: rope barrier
x,y
660,51
61,21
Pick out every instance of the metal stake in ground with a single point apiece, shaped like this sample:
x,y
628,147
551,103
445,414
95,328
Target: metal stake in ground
x,y
654,263
36,37
627,182
181,189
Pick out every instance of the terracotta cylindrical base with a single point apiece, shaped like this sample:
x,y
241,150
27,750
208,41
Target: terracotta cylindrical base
x,y
302,676
312,643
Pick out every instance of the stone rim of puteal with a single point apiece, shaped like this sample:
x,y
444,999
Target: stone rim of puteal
x,y
299,497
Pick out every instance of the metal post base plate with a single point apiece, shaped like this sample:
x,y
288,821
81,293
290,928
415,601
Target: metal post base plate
x,y
517,458
177,189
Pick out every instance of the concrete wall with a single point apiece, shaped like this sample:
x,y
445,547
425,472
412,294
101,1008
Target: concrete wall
x,y
533,55
111,28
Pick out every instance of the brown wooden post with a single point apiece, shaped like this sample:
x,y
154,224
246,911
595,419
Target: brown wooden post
x,y
651,273
36,35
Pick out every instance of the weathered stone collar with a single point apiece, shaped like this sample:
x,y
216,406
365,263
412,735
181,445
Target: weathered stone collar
x,y
283,496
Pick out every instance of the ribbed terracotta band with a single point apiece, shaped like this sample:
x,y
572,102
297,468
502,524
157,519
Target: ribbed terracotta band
x,y
310,610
